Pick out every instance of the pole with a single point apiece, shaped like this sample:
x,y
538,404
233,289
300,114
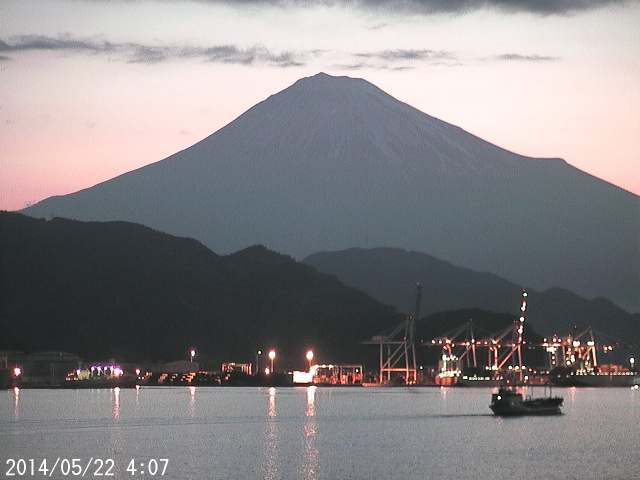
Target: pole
x,y
258,361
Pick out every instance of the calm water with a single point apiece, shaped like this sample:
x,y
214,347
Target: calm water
x,y
323,433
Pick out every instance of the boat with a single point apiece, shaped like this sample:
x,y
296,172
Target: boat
x,y
479,381
510,402
573,378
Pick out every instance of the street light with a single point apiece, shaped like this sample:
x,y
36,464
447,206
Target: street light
x,y
192,353
272,355
258,353
632,361
309,358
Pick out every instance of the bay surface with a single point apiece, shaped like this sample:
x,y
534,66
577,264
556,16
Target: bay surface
x,y
323,433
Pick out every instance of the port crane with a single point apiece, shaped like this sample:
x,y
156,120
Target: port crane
x,y
579,350
397,348
461,343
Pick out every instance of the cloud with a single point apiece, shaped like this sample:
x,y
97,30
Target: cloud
x,y
42,42
429,7
409,54
240,56
379,26
137,53
350,66
385,66
401,59
515,57
152,54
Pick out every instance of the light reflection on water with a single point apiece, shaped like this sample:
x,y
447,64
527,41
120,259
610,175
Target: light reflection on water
x,y
192,401
16,403
270,464
116,403
325,433
310,452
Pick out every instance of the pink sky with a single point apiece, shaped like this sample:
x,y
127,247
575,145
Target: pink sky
x,y
93,89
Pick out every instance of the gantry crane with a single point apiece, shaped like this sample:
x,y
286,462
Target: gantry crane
x,y
397,348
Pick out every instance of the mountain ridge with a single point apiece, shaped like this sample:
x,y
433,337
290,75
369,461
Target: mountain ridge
x,y
387,275
116,289
306,170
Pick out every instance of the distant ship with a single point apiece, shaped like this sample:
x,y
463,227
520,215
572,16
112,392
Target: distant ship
x,y
594,379
509,402
479,381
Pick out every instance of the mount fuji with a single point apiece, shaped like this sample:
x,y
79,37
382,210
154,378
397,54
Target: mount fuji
x,y
334,162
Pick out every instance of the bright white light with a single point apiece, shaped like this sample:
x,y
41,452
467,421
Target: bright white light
x,y
17,371
310,355
302,377
267,371
272,354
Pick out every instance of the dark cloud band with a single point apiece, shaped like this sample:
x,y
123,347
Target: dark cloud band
x,y
391,59
429,7
141,53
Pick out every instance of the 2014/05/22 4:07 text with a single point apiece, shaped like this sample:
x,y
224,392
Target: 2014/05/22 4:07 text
x,y
77,467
